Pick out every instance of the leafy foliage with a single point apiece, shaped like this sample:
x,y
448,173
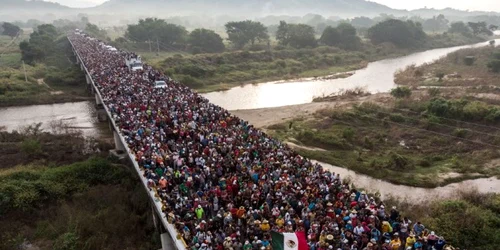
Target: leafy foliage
x,y
206,40
154,29
343,36
11,30
459,27
401,92
296,35
244,32
480,28
400,33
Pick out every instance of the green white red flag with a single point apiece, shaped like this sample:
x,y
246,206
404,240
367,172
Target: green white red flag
x,y
289,241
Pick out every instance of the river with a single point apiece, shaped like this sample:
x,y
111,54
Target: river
x,y
376,77
77,115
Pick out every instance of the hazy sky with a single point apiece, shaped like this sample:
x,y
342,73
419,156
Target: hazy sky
x,y
488,5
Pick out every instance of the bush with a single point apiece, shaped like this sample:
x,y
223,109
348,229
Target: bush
x,y
494,66
433,92
31,147
460,133
397,161
397,118
440,76
348,134
401,92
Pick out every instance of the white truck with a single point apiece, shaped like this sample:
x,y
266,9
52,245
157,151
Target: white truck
x,y
134,64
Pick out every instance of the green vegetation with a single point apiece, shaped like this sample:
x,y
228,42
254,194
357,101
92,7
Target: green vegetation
x,y
86,205
11,30
51,75
416,143
153,30
401,92
400,33
205,41
343,36
296,35
58,192
474,71
469,220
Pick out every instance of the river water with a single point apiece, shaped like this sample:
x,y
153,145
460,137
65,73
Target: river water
x,y
77,115
376,77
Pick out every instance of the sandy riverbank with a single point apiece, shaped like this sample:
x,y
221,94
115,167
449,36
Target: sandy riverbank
x,y
264,117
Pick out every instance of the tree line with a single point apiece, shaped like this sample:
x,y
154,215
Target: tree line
x,y
295,35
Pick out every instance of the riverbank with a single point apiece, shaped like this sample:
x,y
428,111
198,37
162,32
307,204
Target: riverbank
x,y
55,79
385,138
60,190
216,72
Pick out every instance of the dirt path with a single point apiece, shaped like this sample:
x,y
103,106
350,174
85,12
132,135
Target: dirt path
x,y
268,116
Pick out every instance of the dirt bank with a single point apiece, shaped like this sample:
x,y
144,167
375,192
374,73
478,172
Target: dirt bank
x,y
264,117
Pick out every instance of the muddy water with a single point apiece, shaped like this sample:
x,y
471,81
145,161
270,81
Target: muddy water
x,y
376,77
76,115
414,194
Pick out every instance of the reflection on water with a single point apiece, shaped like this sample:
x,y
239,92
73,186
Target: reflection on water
x,y
80,115
414,194
377,77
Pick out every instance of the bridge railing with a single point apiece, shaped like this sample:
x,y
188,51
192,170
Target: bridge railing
x,y
156,201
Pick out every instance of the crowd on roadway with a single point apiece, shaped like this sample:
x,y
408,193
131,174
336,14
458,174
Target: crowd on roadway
x,y
227,185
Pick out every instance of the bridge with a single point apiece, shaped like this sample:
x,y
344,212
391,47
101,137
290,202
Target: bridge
x,y
169,235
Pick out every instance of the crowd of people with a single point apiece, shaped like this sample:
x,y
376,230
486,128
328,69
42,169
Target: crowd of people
x,y
227,185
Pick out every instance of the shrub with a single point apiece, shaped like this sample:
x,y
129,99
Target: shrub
x,y
348,134
460,133
401,92
494,65
397,118
31,147
440,76
397,161
433,92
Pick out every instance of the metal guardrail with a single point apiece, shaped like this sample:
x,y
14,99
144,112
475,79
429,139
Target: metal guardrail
x,y
178,243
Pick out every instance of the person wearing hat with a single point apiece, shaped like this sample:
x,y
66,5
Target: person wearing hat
x,y
432,239
265,226
395,242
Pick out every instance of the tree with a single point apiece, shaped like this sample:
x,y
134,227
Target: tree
x,y
480,28
244,32
492,27
348,38
282,34
459,27
330,36
400,33
10,30
362,22
154,29
296,35
439,23
206,40
40,45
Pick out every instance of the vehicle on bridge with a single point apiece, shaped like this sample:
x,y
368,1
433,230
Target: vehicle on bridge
x,y
160,84
134,63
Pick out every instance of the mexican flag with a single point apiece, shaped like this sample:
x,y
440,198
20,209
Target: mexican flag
x,y
289,241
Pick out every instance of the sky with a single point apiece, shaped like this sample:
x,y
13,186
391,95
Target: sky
x,y
486,5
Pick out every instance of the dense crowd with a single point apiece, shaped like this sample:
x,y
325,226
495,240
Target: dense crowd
x,y
227,185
